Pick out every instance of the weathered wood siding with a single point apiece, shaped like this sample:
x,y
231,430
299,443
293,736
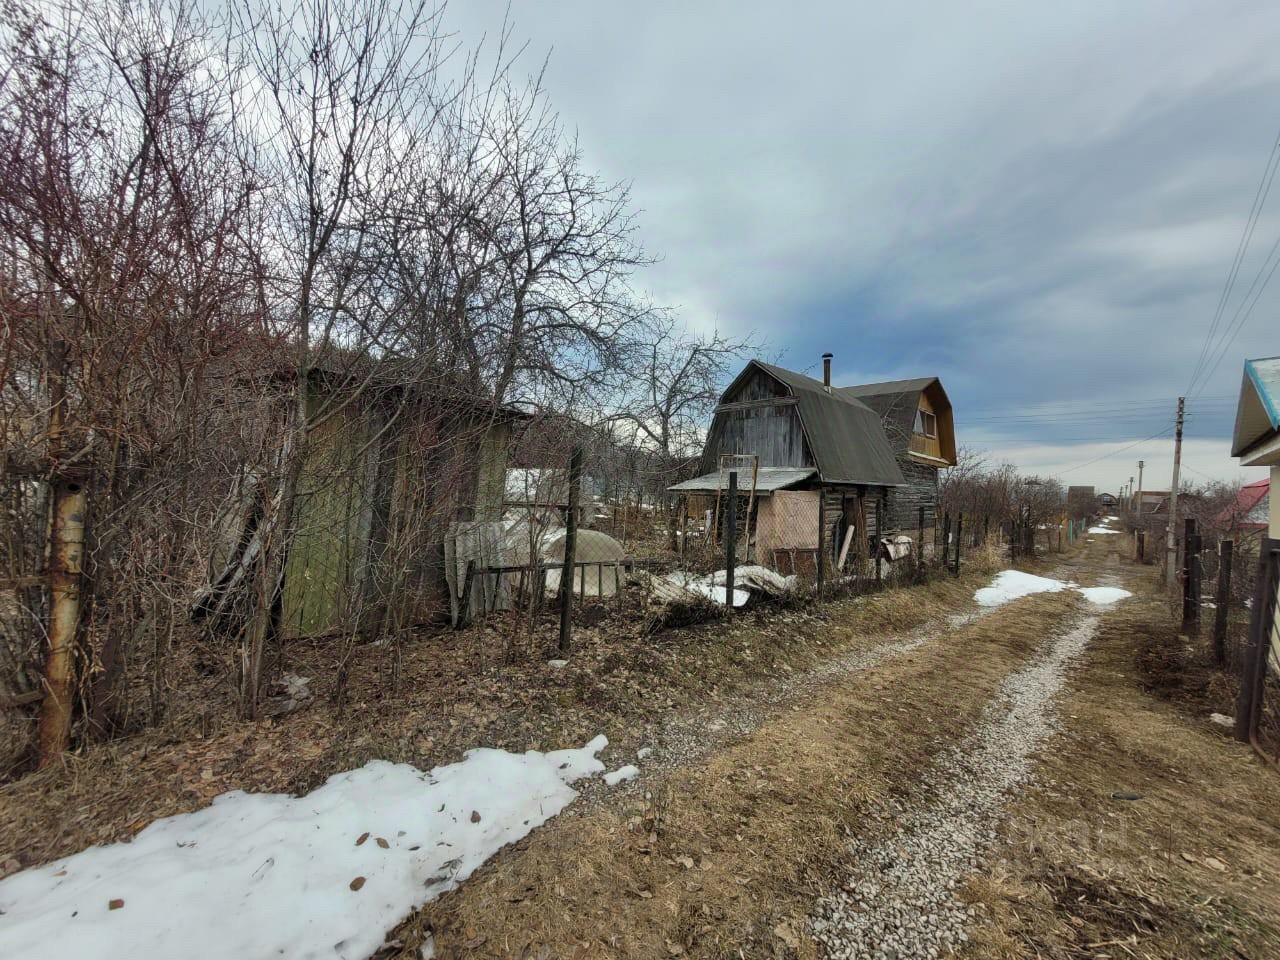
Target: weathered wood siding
x,y
905,502
375,503
898,414
767,424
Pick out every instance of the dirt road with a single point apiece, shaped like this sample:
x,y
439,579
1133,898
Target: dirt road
x,y
957,789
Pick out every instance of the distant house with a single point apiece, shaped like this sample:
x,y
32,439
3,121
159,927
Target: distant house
x,y
1247,516
1256,439
802,440
1107,501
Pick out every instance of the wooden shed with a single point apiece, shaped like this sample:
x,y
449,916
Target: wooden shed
x,y
389,469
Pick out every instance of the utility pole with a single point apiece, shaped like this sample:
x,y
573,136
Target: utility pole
x,y
1141,464
1171,537
1128,498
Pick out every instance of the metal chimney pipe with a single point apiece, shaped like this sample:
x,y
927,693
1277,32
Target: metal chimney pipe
x,y
826,370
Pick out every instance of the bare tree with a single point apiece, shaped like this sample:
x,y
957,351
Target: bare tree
x,y
125,211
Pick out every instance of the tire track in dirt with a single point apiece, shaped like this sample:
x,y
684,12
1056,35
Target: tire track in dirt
x,y
732,848
686,739
900,900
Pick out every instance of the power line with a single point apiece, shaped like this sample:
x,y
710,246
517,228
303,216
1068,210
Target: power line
x,y
1244,319
1080,466
1246,237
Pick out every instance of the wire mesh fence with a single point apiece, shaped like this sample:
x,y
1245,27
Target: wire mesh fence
x,y
1258,709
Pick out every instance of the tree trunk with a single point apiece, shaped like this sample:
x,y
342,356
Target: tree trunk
x,y
66,556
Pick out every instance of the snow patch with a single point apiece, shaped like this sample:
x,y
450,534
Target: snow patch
x,y
615,777
1102,530
1012,584
1104,595
324,875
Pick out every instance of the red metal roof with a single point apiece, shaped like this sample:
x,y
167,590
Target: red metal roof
x,y
1251,495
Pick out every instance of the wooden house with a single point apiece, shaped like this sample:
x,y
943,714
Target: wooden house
x,y
917,420
805,451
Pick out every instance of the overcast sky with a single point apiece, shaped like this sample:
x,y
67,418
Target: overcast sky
x,y
1037,202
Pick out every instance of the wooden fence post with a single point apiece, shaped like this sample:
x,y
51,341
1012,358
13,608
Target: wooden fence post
x,y
1222,602
920,551
959,535
570,551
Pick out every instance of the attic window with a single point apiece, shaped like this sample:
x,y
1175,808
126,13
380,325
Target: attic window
x,y
926,423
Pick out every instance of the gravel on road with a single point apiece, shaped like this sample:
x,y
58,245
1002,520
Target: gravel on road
x,y
900,901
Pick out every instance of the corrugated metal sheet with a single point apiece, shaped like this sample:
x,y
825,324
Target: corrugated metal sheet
x,y
768,479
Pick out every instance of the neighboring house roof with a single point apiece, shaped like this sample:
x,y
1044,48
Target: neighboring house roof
x,y
896,401
1250,507
887,387
845,435
768,479
1256,438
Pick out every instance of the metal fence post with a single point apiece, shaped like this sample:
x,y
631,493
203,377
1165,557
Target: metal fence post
x,y
570,551
1222,602
1190,603
822,541
879,539
730,538
1261,622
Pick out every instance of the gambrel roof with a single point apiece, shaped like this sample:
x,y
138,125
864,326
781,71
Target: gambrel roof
x,y
844,435
895,401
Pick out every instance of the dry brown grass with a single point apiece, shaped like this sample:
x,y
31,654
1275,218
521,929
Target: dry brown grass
x,y
747,842
458,691
1192,869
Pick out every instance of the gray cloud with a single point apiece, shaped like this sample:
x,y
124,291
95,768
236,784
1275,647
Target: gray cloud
x,y
1039,202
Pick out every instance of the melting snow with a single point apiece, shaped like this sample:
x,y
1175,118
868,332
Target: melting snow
x,y
269,875
1102,530
1104,594
1012,584
615,777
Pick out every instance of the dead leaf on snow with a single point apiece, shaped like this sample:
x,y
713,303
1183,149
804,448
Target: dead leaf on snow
x,y
115,904
357,883
363,837
383,843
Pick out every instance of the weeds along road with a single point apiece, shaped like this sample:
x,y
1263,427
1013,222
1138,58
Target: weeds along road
x,y
866,810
